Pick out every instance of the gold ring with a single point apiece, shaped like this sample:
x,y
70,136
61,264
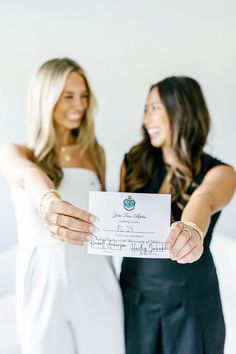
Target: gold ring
x,y
189,231
180,224
58,229
57,219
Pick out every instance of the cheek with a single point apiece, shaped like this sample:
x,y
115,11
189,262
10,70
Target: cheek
x,y
144,121
59,109
167,128
86,105
54,115
57,114
168,135
164,121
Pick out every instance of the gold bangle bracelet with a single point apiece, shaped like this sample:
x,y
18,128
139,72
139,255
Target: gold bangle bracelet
x,y
196,228
44,196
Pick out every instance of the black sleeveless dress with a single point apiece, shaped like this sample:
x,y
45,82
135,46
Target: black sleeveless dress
x,y
173,308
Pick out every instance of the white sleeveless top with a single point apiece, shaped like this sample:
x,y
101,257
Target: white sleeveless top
x,y
75,186
55,277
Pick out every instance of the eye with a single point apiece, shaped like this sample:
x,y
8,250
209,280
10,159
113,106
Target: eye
x,y
68,97
86,96
145,110
155,107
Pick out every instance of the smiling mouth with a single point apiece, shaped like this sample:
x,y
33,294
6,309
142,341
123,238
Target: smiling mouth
x,y
73,117
153,132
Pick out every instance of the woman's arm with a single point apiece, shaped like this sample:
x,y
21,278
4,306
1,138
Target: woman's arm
x,y
14,162
63,220
18,167
215,192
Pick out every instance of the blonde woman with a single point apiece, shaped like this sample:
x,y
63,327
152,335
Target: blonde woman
x,y
67,301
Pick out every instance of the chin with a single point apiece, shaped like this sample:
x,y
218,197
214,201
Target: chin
x,y
73,126
156,143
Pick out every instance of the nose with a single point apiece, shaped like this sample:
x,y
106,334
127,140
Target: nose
x,y
147,117
78,103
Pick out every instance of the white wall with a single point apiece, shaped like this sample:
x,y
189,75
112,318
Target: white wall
x,y
124,45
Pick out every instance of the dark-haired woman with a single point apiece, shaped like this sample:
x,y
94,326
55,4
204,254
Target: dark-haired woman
x,y
173,306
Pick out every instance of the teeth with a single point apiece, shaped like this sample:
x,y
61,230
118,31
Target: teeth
x,y
73,116
153,130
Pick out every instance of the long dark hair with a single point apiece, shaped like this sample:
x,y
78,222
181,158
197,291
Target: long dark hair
x,y
189,122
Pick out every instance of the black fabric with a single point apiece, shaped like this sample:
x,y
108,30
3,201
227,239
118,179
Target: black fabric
x,y
173,308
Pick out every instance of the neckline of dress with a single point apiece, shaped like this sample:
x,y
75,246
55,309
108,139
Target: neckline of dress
x,y
79,168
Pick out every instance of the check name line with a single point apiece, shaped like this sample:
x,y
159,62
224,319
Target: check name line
x,y
134,232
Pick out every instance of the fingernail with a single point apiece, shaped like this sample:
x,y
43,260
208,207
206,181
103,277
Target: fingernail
x,y
180,262
173,258
90,237
94,219
93,229
168,245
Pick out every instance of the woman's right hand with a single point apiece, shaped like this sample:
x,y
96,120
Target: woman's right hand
x,y
67,223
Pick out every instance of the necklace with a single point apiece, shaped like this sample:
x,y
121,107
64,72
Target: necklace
x,y
66,156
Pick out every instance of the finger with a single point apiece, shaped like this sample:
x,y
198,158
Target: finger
x,y
70,223
192,256
188,247
175,230
68,235
51,218
73,242
187,240
65,208
184,236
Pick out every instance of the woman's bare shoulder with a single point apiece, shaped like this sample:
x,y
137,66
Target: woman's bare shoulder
x,y
20,149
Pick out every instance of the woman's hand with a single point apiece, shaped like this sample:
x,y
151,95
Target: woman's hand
x,y
184,243
67,223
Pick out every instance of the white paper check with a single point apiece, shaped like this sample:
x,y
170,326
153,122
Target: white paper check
x,y
131,224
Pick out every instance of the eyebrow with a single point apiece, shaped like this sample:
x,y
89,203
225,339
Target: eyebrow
x,y
153,102
70,92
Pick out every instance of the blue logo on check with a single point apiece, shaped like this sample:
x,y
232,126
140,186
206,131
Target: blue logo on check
x,y
129,203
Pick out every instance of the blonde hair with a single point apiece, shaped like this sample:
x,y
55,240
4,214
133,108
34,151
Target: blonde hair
x,y
44,92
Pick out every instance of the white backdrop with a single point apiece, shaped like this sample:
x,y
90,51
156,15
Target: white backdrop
x,y
124,46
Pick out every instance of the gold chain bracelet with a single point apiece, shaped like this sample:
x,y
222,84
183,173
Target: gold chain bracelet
x,y
43,198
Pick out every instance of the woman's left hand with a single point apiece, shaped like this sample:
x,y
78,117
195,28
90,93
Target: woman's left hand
x,y
184,243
